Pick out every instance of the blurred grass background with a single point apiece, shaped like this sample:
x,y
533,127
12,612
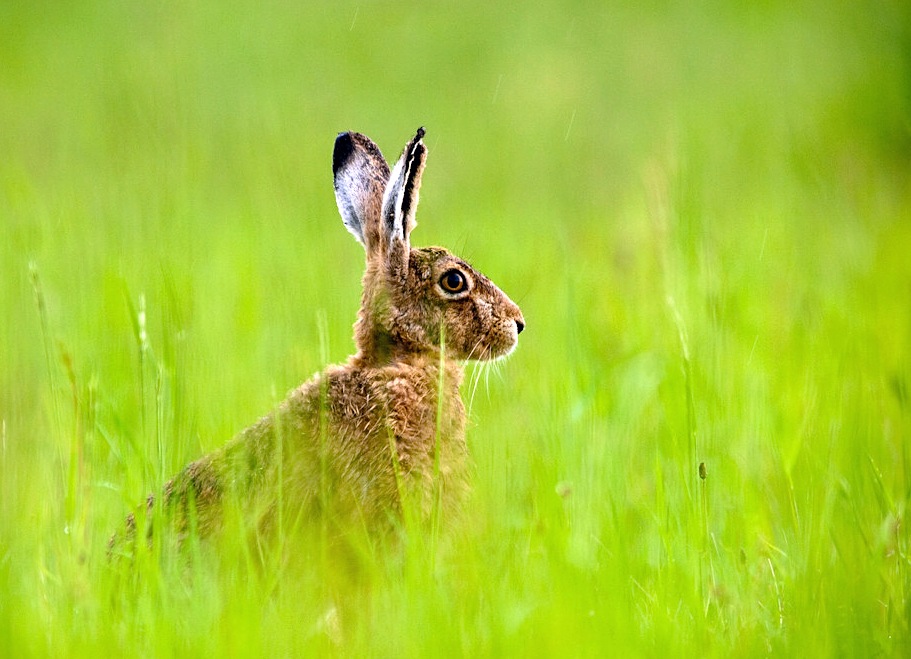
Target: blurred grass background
x,y
704,210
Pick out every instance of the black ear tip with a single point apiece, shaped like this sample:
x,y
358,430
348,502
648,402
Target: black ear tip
x,y
344,145
419,134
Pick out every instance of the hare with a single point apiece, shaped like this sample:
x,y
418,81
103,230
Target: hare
x,y
357,439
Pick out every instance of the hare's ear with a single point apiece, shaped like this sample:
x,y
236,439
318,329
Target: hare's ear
x,y
360,175
400,200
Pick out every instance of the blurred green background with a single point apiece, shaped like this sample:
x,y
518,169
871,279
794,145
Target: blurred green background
x,y
703,209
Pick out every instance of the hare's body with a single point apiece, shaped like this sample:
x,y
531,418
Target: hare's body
x,y
359,439
363,436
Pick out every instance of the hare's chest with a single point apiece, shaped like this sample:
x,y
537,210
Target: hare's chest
x,y
410,413
427,428
422,412
406,407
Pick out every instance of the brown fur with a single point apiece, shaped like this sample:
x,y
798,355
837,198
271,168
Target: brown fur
x,y
358,439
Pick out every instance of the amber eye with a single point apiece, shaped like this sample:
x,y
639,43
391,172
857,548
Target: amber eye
x,y
453,281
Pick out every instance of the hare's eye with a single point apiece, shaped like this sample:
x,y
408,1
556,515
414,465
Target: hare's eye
x,y
453,281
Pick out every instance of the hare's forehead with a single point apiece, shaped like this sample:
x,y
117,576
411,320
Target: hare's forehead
x,y
430,262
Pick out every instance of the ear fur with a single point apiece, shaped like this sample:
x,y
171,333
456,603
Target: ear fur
x,y
360,175
400,199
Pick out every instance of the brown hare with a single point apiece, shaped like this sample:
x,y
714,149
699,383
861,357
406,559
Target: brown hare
x,y
358,439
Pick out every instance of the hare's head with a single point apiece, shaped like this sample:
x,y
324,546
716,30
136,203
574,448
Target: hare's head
x,y
414,298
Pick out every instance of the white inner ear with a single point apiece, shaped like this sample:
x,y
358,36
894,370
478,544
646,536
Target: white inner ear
x,y
349,196
392,201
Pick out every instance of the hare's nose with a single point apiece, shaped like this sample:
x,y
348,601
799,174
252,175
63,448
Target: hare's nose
x,y
520,325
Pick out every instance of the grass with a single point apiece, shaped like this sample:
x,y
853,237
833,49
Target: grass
x,y
702,209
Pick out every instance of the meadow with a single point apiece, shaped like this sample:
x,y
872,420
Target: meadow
x,y
700,446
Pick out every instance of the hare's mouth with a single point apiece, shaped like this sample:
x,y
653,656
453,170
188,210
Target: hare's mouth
x,y
497,355
498,342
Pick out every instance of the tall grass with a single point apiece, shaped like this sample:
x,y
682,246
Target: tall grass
x,y
700,445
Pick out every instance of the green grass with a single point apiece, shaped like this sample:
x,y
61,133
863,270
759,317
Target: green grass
x,y
703,209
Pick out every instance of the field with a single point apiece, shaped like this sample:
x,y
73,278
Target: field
x,y
700,446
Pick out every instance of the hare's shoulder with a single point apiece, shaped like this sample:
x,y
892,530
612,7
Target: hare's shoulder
x,y
351,390
400,397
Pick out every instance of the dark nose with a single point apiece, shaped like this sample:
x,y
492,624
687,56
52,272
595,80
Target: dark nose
x,y
520,325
